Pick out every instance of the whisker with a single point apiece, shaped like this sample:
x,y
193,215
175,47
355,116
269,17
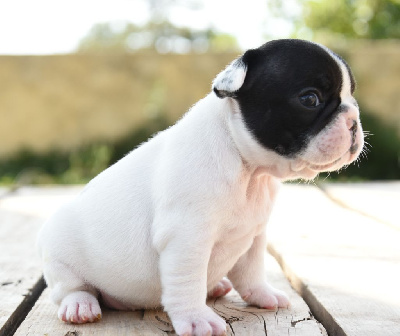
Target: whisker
x,y
326,177
366,143
363,154
366,151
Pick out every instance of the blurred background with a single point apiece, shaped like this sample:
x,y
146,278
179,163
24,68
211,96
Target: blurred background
x,y
84,82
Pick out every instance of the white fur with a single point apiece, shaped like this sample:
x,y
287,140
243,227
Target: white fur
x,y
166,223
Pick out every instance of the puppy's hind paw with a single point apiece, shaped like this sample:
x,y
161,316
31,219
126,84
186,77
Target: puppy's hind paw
x,y
199,323
79,307
266,297
222,288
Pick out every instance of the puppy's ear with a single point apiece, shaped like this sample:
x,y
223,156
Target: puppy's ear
x,y
231,79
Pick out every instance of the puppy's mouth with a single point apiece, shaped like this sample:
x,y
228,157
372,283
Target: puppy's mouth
x,y
300,165
324,167
352,151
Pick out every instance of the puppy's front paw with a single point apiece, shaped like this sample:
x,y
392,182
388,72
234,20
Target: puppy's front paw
x,y
79,307
266,297
222,288
203,322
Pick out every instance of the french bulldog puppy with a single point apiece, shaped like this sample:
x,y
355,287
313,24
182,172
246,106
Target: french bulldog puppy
x,y
167,223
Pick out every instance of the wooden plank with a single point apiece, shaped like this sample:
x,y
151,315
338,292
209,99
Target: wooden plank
x,y
3,191
22,212
38,201
344,264
20,274
241,319
378,200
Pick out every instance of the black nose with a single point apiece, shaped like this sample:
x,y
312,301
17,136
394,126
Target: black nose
x,y
353,130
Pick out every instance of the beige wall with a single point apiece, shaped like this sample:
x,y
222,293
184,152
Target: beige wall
x,y
377,69
66,101
69,100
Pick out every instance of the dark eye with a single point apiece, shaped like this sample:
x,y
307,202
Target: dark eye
x,y
309,99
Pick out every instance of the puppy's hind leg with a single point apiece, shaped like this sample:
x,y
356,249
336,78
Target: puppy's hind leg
x,y
248,277
76,299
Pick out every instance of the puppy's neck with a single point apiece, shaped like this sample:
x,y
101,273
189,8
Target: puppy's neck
x,y
255,157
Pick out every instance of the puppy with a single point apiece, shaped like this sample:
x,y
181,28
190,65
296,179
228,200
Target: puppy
x,y
166,224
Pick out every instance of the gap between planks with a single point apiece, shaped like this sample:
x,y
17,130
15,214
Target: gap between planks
x,y
242,320
316,307
333,192
338,260
23,309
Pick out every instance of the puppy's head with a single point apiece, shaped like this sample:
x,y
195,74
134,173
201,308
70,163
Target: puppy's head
x,y
292,109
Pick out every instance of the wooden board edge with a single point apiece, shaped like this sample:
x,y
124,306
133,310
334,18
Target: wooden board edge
x,y
241,319
19,315
337,200
321,314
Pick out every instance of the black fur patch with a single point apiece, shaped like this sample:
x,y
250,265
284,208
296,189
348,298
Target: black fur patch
x,y
277,73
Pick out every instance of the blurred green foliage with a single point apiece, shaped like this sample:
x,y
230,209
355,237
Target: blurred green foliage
x,y
332,21
372,19
382,162
77,166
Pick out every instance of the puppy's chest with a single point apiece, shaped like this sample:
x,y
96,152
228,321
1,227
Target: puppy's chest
x,y
246,214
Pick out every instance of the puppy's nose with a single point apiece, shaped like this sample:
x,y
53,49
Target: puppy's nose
x,y
351,125
353,131
351,113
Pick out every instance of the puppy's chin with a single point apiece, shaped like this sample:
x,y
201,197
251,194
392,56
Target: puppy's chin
x,y
309,170
337,164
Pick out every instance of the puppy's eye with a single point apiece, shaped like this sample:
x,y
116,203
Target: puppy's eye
x,y
309,99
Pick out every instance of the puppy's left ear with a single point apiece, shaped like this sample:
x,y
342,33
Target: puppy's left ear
x,y
231,79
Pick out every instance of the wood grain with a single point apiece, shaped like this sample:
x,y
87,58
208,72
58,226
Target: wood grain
x,y
22,212
20,271
377,200
345,265
241,319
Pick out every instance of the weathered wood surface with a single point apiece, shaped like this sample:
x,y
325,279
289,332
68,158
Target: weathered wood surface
x,y
20,272
344,260
3,191
377,200
38,201
21,280
346,265
241,319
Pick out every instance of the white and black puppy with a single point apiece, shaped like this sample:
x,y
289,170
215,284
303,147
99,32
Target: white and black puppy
x,y
166,224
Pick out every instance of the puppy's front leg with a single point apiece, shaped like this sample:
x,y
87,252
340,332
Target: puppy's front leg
x,y
249,278
183,266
